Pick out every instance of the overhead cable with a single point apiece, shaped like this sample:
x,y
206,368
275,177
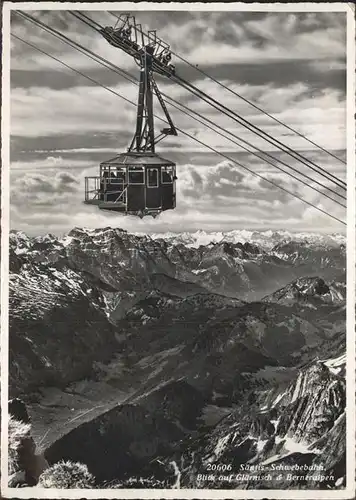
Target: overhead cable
x,y
182,132
187,111
194,66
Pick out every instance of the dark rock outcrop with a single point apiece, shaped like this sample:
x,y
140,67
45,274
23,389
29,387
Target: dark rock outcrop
x,y
25,465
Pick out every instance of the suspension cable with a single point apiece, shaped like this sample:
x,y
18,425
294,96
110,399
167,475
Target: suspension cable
x,y
263,111
132,79
86,19
340,184
256,130
249,102
265,154
253,128
181,131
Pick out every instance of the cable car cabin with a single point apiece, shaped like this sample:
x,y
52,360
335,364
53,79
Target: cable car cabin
x,y
139,182
133,183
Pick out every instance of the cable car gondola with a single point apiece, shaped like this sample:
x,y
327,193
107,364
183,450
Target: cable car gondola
x,y
135,184
138,182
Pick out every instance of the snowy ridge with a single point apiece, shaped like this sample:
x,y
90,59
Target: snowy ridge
x,y
265,239
337,366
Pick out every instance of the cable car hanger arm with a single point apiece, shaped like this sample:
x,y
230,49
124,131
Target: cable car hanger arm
x,y
166,131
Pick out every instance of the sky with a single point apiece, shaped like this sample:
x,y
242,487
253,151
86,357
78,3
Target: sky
x,y
292,65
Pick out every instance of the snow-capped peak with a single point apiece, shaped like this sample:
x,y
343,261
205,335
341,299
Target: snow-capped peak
x,y
264,239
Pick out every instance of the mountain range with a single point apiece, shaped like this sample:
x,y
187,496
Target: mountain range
x,y
156,360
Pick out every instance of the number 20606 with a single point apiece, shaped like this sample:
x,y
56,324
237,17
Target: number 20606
x,y
219,467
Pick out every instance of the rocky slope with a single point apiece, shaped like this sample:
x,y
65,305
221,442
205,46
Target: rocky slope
x,y
310,291
303,425
175,433
125,262
192,356
58,326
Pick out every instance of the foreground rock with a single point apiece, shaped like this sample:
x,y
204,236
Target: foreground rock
x,y
25,465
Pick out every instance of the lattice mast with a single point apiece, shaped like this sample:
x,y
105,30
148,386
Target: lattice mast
x,y
152,55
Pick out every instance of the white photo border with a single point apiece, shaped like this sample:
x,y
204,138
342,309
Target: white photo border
x,y
34,492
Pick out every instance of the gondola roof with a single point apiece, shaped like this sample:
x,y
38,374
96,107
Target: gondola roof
x,y
133,158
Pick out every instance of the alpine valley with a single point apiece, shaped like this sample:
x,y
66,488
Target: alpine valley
x,y
183,361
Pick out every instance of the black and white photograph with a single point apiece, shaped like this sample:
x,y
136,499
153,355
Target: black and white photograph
x,y
177,260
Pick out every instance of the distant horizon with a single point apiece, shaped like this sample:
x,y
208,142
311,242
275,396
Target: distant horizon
x,y
191,232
